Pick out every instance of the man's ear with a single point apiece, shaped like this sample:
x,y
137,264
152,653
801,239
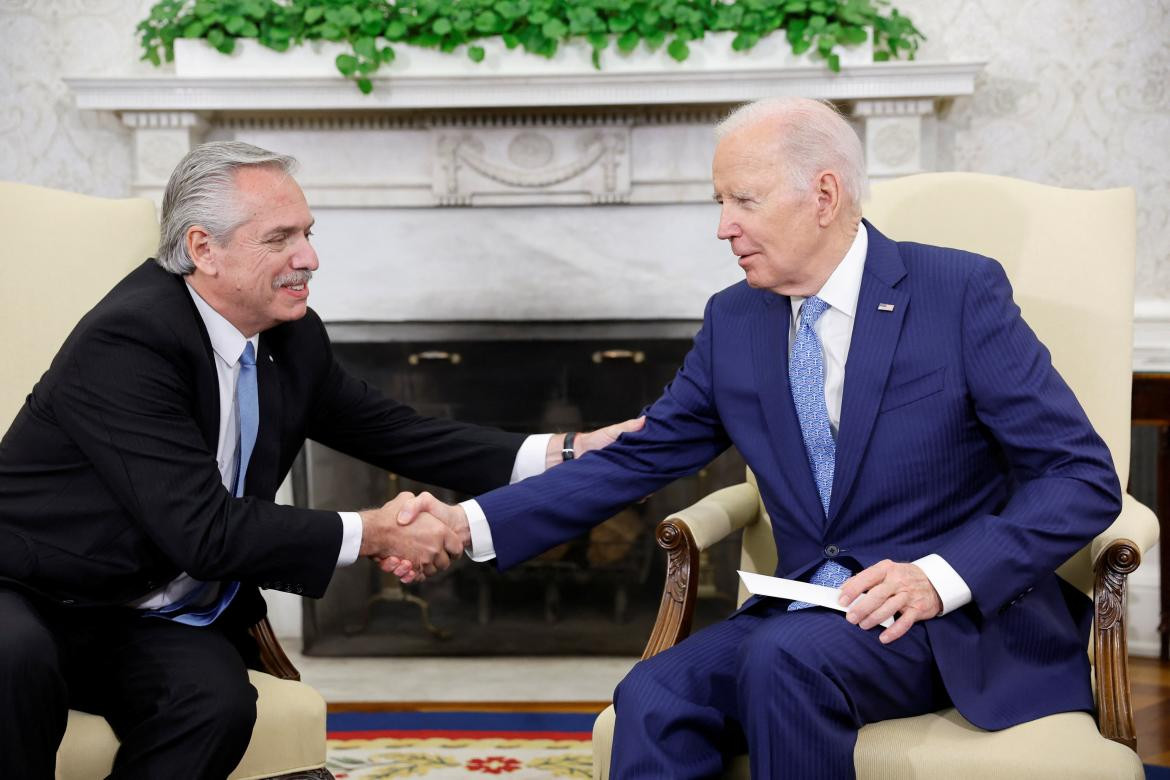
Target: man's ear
x,y
829,198
199,249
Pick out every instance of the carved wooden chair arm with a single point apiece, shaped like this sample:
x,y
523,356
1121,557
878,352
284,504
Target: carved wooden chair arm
x,y
684,535
272,657
1114,712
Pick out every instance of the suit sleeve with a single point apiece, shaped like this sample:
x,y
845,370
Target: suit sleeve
x,y
352,417
1064,485
682,433
127,402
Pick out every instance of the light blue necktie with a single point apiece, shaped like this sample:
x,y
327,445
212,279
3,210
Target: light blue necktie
x,y
248,418
806,377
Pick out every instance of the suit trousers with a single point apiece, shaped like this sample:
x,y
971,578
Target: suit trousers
x,y
795,686
177,696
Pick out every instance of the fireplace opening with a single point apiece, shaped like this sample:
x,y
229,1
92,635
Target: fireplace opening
x,y
597,594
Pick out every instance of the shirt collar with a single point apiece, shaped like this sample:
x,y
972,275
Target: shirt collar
x,y
843,286
226,341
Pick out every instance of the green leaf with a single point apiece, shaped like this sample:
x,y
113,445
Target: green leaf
x,y
255,9
235,24
654,39
475,53
508,10
881,56
620,24
365,47
628,41
194,30
250,30
487,22
678,50
313,14
227,47
365,85
834,63
744,41
852,35
347,64
396,30
387,55
554,28
442,26
216,37
511,40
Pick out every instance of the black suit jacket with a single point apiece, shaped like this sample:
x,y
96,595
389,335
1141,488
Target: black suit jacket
x,y
108,479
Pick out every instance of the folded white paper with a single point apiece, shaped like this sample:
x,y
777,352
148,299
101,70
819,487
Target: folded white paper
x,y
763,585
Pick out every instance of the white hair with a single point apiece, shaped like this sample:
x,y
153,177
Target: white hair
x,y
811,137
202,191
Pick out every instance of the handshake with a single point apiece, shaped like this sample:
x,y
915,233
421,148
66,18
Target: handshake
x,y
414,536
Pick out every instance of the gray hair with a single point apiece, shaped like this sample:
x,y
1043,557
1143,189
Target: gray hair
x,y
202,191
812,137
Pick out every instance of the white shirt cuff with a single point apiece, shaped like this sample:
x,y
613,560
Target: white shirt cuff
x,y
530,457
482,548
351,538
951,588
529,462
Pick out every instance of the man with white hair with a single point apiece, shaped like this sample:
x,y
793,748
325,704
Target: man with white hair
x,y
912,444
137,520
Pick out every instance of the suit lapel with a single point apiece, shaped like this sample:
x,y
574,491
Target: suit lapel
x,y
261,477
871,352
206,398
770,362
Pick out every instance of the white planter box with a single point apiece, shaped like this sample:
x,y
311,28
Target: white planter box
x,y
195,58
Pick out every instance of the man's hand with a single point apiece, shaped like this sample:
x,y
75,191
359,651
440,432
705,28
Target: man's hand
x,y
425,548
887,588
587,441
426,505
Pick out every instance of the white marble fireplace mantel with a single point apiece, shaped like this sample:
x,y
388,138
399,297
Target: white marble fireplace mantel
x,y
543,194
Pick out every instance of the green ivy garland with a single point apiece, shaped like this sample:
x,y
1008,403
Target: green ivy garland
x,y
537,25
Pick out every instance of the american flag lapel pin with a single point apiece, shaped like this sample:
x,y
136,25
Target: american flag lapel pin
x,y
885,307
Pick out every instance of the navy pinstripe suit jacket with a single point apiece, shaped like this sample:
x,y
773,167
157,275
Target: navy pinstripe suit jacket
x,y
957,437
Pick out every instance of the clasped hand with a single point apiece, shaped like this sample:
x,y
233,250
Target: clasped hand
x,y
425,546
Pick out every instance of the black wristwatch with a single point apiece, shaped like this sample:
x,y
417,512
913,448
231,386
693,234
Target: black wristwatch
x,y
567,447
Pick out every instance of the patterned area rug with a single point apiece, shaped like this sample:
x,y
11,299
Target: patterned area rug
x,y
443,745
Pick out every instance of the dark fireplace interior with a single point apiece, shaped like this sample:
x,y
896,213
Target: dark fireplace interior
x,y
594,595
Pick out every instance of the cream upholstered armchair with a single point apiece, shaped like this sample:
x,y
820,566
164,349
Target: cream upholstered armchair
x,y
62,253
1070,257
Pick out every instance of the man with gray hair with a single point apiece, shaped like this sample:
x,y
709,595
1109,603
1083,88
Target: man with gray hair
x,y
137,519
912,444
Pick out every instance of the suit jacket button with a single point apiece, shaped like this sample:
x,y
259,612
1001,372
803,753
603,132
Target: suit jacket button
x,y
832,551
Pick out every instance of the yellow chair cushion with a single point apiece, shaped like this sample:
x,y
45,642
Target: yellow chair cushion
x,y
289,736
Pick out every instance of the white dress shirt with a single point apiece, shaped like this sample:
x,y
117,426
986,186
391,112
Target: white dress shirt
x,y
834,328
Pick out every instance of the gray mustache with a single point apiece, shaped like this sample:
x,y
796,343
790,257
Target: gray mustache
x,y
295,278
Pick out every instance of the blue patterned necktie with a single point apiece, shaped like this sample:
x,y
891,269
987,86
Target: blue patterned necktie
x,y
248,419
806,378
